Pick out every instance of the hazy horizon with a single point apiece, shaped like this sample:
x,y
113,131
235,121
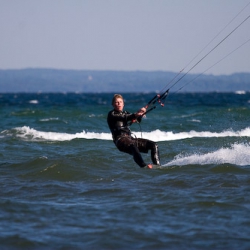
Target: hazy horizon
x,y
125,35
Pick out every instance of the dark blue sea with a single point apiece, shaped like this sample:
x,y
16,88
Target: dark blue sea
x,y
64,185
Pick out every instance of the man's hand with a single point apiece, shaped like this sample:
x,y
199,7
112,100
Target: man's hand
x,y
140,112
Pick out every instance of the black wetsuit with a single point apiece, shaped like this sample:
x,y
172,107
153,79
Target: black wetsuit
x,y
118,122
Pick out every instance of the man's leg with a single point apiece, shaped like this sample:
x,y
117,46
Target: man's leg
x,y
144,145
155,155
137,156
129,145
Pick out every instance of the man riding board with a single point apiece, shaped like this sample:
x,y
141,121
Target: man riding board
x,y
119,122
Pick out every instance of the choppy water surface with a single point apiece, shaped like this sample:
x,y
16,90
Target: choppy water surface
x,y
65,185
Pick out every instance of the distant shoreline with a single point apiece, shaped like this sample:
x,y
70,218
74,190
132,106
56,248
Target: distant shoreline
x,y
34,80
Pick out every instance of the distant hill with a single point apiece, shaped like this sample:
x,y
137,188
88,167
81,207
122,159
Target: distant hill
x,y
53,80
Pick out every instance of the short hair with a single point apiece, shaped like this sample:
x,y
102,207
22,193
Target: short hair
x,y
116,96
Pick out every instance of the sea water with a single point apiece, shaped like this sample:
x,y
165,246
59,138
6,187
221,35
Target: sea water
x,y
64,185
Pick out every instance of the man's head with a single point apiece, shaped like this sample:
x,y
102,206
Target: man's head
x,y
118,102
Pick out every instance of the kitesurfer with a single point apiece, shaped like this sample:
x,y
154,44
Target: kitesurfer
x,y
119,121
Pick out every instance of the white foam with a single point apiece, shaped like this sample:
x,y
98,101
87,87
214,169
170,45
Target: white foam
x,y
33,102
159,135
156,135
32,134
240,92
237,154
49,119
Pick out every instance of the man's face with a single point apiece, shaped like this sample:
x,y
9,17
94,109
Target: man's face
x,y
118,104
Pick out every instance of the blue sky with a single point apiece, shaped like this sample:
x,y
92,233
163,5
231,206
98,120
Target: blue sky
x,y
123,34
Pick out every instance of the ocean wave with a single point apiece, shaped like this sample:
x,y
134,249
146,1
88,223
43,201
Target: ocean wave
x,y
240,92
28,133
237,154
33,101
49,119
158,135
